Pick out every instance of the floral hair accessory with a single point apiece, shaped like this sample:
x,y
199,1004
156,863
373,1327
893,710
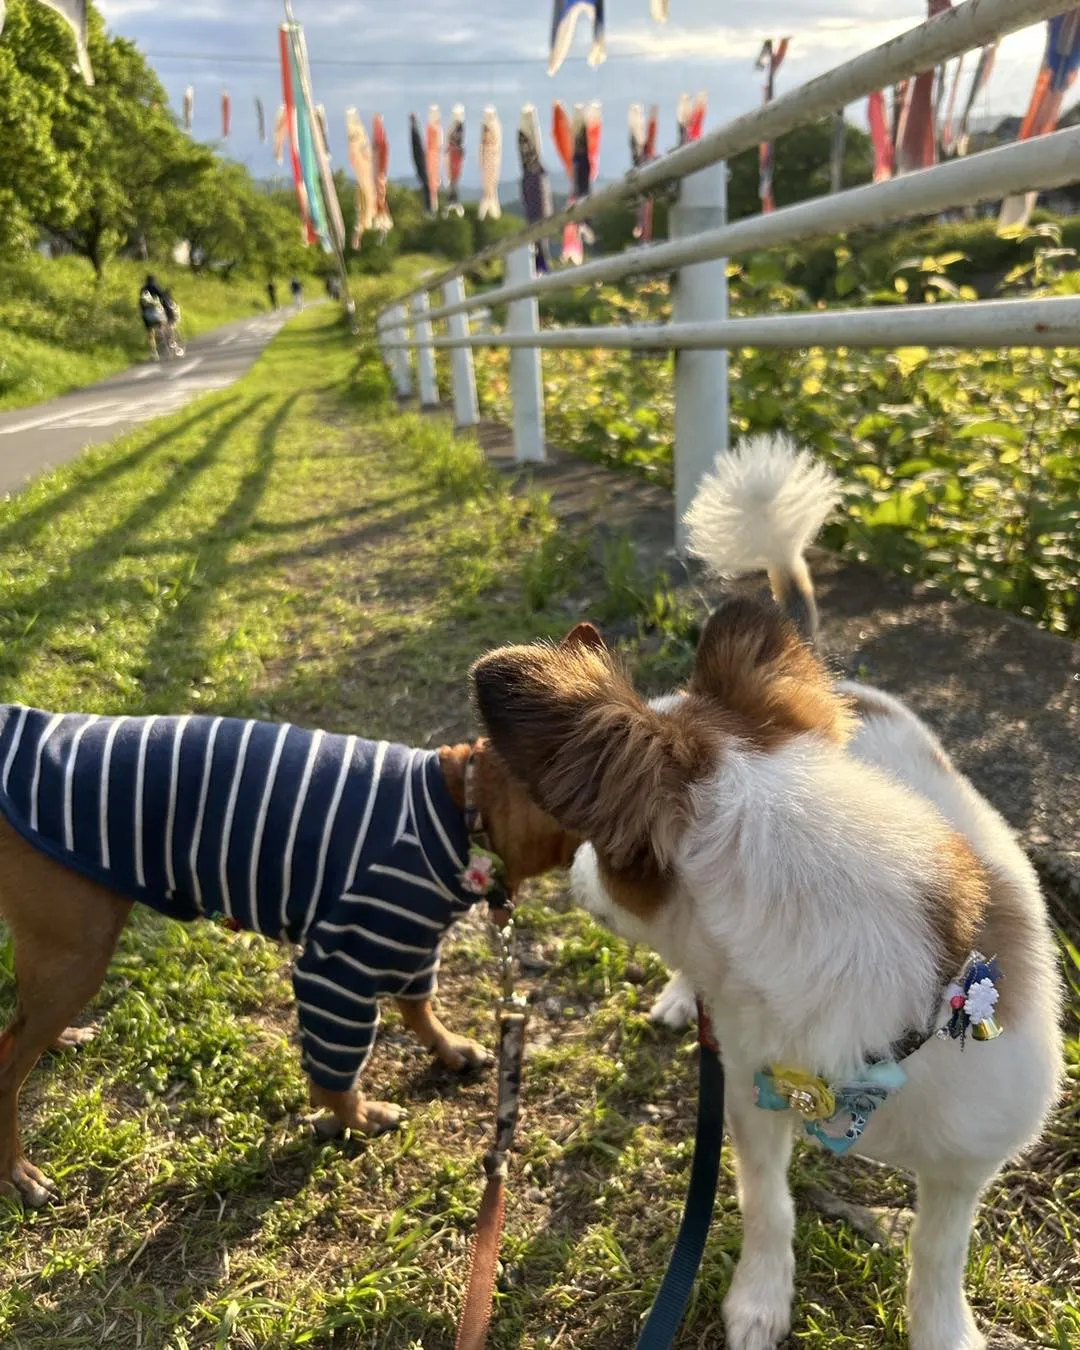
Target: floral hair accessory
x,y
980,1001
483,873
972,1000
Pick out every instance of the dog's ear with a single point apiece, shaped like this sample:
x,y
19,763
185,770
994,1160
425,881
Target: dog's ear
x,y
584,635
753,662
570,727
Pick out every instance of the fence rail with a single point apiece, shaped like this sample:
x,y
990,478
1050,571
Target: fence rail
x,y
1039,165
702,241
1052,322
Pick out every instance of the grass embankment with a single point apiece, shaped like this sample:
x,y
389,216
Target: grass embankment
x,y
294,548
60,331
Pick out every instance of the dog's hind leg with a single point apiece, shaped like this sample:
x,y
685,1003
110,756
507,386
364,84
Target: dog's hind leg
x,y
64,930
355,1112
938,1312
456,1052
757,1308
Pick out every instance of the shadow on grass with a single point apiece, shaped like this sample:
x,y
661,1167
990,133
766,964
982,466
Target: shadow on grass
x,y
33,616
27,524
179,633
179,1263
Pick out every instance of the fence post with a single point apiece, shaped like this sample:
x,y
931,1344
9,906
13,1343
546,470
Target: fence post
x,y
526,380
699,292
425,353
466,407
400,364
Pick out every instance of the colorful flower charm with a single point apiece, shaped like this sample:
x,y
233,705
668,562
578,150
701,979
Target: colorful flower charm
x,y
483,872
972,1001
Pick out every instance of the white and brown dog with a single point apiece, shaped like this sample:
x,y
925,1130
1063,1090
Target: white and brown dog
x,y
805,854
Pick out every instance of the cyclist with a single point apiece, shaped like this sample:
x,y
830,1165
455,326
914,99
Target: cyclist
x,y
153,314
160,314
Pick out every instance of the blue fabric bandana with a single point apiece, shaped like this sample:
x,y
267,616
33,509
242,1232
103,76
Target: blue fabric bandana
x,y
852,1103
835,1114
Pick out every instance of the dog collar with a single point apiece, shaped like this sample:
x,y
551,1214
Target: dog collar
x,y
484,874
835,1114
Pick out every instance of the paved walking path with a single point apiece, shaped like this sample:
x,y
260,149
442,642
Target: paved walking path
x,y
41,437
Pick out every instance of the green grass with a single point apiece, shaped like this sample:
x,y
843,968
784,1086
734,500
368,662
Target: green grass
x,y
296,549
60,331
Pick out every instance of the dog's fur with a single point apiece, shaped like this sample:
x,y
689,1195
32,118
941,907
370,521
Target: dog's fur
x,y
805,854
64,928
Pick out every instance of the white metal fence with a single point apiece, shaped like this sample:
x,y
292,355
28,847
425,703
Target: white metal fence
x,y
702,241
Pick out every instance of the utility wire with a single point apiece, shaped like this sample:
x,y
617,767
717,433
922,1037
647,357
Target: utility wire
x,y
444,62
493,61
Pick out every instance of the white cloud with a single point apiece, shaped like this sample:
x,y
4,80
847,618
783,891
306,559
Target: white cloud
x,y
834,38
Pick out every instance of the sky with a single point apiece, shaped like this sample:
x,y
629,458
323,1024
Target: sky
x,y
399,56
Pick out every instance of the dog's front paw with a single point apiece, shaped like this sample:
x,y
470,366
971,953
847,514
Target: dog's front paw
x,y
756,1328
955,1330
676,1007
757,1310
354,1112
372,1118
460,1053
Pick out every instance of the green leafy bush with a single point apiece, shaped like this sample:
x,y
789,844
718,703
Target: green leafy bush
x,y
963,467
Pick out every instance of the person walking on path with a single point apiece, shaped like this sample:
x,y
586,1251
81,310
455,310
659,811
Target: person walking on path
x,y
271,291
160,315
297,288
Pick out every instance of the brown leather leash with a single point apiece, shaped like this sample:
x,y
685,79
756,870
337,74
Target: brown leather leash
x,y
484,1259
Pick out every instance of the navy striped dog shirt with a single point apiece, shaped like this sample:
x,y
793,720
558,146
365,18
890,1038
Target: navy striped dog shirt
x,y
352,849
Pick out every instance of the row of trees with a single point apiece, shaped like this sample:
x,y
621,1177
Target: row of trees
x,y
108,168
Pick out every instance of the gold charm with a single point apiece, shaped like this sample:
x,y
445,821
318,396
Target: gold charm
x,y
804,1092
987,1030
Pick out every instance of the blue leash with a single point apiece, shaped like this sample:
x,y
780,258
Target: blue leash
x,y
674,1294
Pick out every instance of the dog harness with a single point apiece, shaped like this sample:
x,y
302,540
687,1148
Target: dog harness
x,y
352,849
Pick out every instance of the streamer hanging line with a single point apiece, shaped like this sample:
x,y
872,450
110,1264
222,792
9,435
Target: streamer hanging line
x,y
770,60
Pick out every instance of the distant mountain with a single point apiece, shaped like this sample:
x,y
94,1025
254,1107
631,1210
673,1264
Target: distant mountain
x,y
509,190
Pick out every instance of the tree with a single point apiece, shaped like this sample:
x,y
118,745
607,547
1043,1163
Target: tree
x,y
226,219
36,177
107,167
114,147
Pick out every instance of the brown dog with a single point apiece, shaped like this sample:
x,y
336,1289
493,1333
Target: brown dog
x,y
363,854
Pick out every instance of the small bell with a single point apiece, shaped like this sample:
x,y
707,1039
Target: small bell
x,y
987,1030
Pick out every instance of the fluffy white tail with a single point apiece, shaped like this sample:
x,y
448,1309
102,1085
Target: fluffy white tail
x,y
760,507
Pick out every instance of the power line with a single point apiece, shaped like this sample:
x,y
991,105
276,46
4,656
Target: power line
x,y
497,61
